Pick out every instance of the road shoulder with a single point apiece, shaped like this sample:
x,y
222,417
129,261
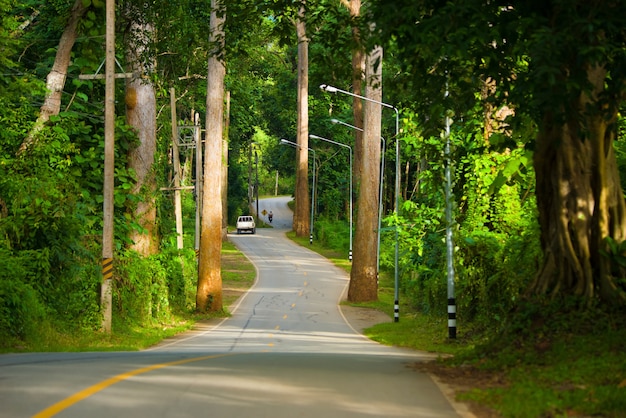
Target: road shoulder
x,y
362,318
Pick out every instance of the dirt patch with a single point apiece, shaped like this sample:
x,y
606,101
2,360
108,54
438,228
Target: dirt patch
x,y
362,318
456,380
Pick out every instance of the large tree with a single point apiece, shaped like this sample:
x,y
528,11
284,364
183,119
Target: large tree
x,y
55,81
141,115
358,72
364,274
209,292
301,223
561,63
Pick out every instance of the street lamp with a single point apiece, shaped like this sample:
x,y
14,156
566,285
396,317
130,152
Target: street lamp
x,y
349,148
380,192
449,242
331,89
293,144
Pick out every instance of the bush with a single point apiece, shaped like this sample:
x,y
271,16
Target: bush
x,y
180,267
21,310
140,291
332,234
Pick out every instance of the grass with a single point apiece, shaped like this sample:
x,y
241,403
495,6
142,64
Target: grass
x,y
238,273
340,259
571,375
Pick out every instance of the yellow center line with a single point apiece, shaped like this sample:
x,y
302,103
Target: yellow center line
x,y
85,393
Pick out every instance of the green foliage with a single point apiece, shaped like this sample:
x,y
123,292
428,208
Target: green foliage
x,y
495,231
180,269
558,358
332,234
21,308
150,290
141,290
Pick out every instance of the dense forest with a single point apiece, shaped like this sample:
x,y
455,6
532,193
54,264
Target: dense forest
x,y
518,104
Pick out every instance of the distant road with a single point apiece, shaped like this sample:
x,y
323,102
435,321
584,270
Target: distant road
x,y
286,352
283,216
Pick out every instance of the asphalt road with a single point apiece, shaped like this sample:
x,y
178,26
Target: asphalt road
x,y
287,351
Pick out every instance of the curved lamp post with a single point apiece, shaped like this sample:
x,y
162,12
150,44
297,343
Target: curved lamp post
x,y
350,149
331,89
380,191
293,144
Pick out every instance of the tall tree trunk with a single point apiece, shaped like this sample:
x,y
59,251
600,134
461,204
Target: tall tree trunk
x,y
363,278
225,169
141,115
55,82
580,201
209,292
301,223
358,72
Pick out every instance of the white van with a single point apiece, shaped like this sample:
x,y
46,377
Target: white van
x,y
246,223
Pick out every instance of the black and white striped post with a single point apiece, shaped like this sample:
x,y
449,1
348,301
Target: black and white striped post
x,y
449,241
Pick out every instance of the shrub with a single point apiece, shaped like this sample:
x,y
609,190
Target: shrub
x,y
21,310
332,234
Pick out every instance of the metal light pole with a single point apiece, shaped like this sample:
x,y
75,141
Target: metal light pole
x,y
449,242
293,144
331,89
349,148
380,192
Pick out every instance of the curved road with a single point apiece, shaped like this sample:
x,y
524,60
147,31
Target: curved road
x,y
286,352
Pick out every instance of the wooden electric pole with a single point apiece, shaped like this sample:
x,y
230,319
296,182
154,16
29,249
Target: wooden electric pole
x,y
178,208
109,161
109,168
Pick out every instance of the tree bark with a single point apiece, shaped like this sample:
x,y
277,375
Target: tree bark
x,y
301,224
358,72
580,201
141,115
363,277
55,82
225,169
209,291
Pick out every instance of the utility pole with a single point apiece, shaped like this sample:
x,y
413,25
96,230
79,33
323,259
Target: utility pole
x,y
175,157
109,161
256,165
250,189
109,168
276,186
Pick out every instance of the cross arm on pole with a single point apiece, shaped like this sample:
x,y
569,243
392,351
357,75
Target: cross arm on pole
x,y
98,76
